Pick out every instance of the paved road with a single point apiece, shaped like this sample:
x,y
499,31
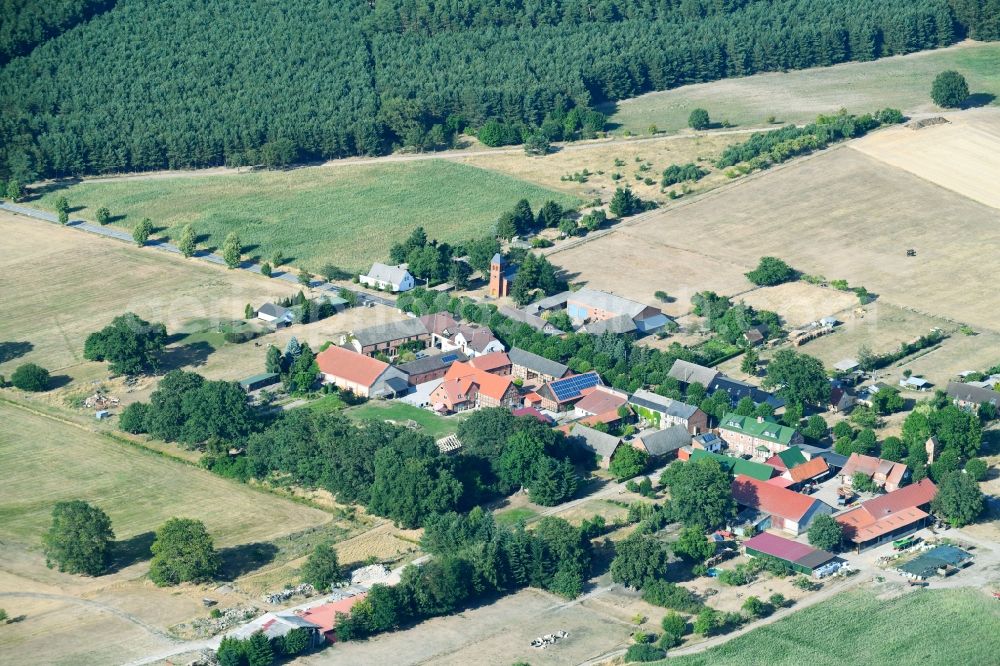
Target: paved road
x,y
212,258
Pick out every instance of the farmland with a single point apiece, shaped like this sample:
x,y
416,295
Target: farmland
x,y
852,628
314,216
799,96
856,227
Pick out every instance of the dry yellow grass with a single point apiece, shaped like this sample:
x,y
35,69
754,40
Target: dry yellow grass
x,y
799,303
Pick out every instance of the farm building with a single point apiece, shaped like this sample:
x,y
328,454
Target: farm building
x,y
391,278
388,338
939,560
531,320
793,465
562,394
970,397
447,334
734,465
324,615
784,509
275,314
429,368
496,363
620,325
915,384
661,412
757,437
257,382
589,305
277,625
798,556
599,402
534,369
737,390
708,441
883,473
663,443
888,517
600,443
362,375
688,373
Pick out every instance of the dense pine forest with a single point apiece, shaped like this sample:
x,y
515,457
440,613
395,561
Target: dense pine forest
x,y
149,84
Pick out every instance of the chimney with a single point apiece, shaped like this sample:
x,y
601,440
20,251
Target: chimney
x,y
760,419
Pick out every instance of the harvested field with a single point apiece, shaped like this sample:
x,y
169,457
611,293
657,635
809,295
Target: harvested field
x,y
799,303
496,633
962,156
857,227
384,543
902,82
315,215
65,284
930,627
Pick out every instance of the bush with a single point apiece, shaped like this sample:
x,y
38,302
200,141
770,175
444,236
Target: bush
x,y
133,418
770,271
30,377
699,119
949,89
644,652
668,595
976,468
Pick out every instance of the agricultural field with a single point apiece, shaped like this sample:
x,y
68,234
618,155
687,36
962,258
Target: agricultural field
x,y
930,627
839,213
903,82
64,284
121,615
800,303
314,215
962,156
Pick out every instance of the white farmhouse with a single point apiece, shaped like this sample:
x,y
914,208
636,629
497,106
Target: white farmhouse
x,y
392,278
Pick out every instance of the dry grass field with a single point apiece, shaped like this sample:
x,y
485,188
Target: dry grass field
x,y
63,284
800,303
962,156
903,82
840,214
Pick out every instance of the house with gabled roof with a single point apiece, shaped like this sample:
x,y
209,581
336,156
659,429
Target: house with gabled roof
x,y
797,556
662,443
758,437
599,443
689,373
889,516
734,465
969,397
661,412
534,321
362,375
388,338
430,367
391,278
533,369
784,509
885,474
466,387
275,314
447,334
560,395
589,306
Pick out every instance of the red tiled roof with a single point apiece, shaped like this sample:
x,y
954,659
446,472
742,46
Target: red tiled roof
x,y
780,481
777,463
771,499
325,615
606,417
350,365
600,401
914,495
492,386
490,362
860,526
531,411
869,466
808,470
439,323
772,544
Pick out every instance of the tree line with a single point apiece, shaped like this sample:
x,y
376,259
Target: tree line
x,y
134,88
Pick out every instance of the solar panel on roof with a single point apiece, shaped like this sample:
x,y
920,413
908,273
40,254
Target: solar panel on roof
x,y
449,358
571,386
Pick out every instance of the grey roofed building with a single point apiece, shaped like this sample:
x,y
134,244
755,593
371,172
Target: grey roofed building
x,y
397,330
533,321
618,325
536,363
967,394
390,274
431,363
846,365
663,442
272,310
664,405
832,458
738,390
556,302
599,442
609,302
689,373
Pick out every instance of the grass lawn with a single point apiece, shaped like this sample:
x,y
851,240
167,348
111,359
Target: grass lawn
x,y
514,515
348,215
400,412
927,627
903,82
328,403
45,461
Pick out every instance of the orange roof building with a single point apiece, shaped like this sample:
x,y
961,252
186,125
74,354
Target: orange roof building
x,y
325,615
788,510
890,516
362,375
467,387
883,473
807,471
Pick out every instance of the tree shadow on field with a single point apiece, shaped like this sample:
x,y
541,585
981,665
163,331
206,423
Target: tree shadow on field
x,y
976,100
58,381
243,559
130,551
194,354
11,350
36,193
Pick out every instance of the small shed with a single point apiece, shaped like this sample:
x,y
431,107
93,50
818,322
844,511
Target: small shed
x,y
257,382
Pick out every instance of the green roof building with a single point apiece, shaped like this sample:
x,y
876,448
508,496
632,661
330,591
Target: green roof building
x,y
737,466
757,437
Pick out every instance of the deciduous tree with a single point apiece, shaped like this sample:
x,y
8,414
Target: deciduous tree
x,y
826,533
183,551
80,538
